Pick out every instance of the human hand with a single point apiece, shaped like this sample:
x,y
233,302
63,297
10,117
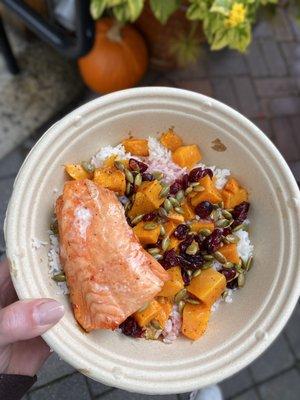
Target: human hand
x,y
22,350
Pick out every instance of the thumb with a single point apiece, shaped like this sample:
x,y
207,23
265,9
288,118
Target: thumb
x,y
27,319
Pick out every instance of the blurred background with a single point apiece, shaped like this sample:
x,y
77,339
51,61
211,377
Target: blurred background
x,y
59,54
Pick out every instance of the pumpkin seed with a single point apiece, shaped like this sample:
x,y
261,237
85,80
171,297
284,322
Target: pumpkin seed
x,y
153,251
205,232
216,206
127,206
165,243
221,204
158,257
61,277
179,210
228,265
88,167
189,272
208,257
119,165
137,219
138,180
241,280
222,223
194,184
128,175
181,305
174,201
232,238
157,175
156,324
216,214
164,191
192,248
162,230
225,294
192,301
180,196
207,265
227,214
180,295
162,212
143,308
128,188
238,268
168,205
188,190
196,273
219,257
238,227
54,227
198,189
249,263
149,226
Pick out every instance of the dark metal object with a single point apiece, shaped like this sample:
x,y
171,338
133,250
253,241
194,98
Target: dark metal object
x,y
6,50
72,46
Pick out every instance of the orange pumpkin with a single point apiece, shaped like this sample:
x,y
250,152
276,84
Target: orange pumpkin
x,y
118,59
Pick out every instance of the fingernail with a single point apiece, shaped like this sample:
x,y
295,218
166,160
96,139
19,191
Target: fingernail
x,y
48,313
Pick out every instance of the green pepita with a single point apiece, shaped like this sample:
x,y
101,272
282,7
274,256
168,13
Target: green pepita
x,y
54,227
219,257
173,201
226,214
149,226
162,230
228,265
238,227
198,188
165,243
138,180
128,176
162,212
232,238
221,204
207,265
180,196
181,305
156,324
137,219
179,210
205,232
180,295
249,263
128,188
188,190
158,175
61,277
168,205
239,268
192,301
153,251
241,280
224,294
164,191
158,257
127,206
208,257
88,167
216,214
119,165
222,223
196,273
192,248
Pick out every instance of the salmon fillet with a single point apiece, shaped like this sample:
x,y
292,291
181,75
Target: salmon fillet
x,y
109,274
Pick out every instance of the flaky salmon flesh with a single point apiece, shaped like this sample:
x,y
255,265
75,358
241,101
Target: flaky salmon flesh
x,y
109,274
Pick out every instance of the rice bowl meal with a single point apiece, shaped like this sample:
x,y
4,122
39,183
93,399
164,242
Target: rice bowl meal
x,y
149,241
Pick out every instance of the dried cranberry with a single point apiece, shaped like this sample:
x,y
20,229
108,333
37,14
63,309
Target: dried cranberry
x,y
185,276
197,173
185,244
232,284
131,328
212,242
170,259
175,187
227,231
150,216
185,181
136,165
240,213
187,261
181,231
146,176
204,209
229,273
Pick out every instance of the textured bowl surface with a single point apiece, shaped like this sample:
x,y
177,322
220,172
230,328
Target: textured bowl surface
x,y
237,333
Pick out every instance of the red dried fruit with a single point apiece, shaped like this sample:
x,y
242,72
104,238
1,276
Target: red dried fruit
x,y
229,273
212,242
204,209
227,231
185,244
181,231
232,284
185,276
131,328
170,259
150,217
240,213
175,187
136,165
185,181
146,176
191,262
197,173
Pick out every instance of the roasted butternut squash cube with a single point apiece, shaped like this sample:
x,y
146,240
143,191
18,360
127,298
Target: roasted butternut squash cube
x,y
109,161
145,316
170,227
146,236
171,140
189,213
110,178
175,217
210,193
174,242
175,283
208,286
230,252
187,156
166,308
233,194
76,172
146,199
195,319
136,146
197,226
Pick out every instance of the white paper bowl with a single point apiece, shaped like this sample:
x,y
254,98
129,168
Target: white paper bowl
x,y
238,332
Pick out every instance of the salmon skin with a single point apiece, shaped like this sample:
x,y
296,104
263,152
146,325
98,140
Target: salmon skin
x,y
109,274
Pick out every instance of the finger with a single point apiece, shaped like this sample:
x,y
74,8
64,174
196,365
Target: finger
x,y
7,291
27,319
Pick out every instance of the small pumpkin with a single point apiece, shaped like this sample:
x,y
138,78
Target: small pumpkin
x,y
118,59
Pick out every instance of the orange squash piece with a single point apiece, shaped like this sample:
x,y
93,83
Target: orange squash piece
x,y
197,226
145,316
110,178
233,194
136,146
175,283
76,172
210,193
166,308
145,236
195,319
188,211
170,227
230,252
208,286
175,217
187,156
174,242
146,199
171,140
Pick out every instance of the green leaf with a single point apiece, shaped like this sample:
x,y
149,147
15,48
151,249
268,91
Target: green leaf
x,y
221,7
197,10
129,10
97,7
162,9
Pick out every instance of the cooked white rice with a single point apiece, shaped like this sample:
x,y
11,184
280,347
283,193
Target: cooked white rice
x,y
107,151
244,246
172,329
37,243
221,174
